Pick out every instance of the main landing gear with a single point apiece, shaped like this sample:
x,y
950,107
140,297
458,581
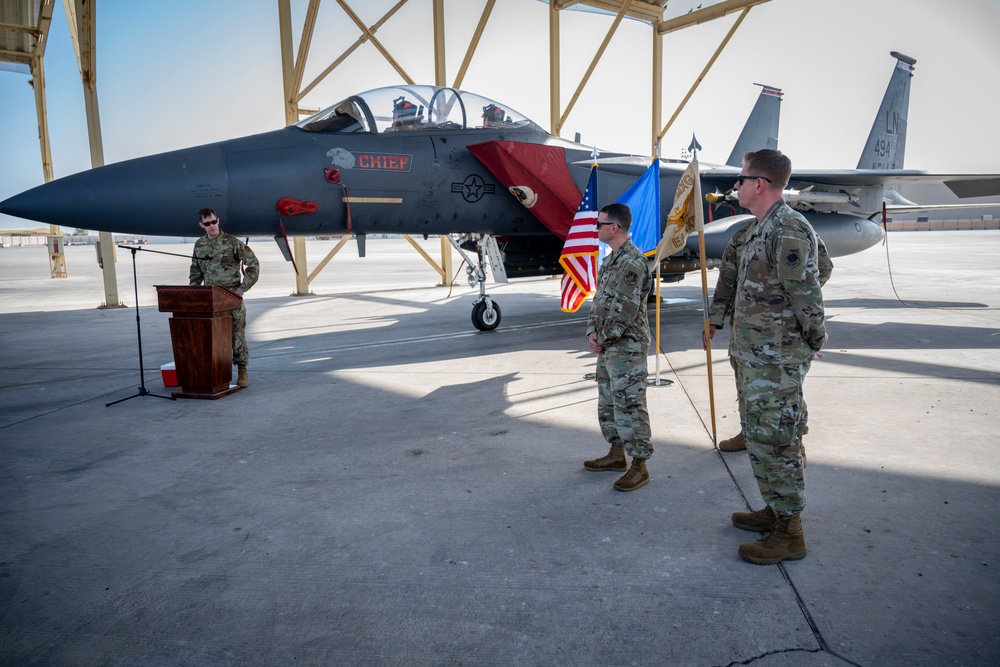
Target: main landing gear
x,y
485,311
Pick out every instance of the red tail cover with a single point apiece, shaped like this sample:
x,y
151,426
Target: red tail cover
x,y
538,176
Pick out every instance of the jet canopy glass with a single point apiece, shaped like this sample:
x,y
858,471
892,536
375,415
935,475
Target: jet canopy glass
x,y
414,108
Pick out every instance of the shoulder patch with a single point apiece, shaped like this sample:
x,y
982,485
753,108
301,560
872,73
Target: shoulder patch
x,y
792,258
631,278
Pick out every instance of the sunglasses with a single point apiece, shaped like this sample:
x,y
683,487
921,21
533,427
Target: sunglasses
x,y
740,179
601,224
209,223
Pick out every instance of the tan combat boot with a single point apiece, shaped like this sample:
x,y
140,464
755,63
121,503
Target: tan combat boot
x,y
786,542
613,461
636,476
734,444
243,380
758,522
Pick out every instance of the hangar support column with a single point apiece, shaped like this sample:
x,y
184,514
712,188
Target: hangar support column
x,y
291,75
648,11
80,17
27,48
447,267
293,67
57,256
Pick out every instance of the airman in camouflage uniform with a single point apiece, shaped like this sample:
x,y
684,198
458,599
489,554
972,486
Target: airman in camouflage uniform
x,y
721,310
618,332
224,260
778,326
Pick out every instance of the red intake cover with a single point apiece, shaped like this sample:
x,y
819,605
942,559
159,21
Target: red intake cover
x,y
288,206
554,197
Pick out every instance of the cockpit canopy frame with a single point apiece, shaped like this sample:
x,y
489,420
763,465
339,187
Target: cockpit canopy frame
x,y
413,108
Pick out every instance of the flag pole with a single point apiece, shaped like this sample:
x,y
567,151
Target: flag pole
x,y
700,222
657,324
656,159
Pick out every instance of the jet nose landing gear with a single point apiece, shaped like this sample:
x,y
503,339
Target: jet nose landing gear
x,y
485,311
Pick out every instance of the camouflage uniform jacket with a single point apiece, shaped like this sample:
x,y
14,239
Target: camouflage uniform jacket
x,y
618,312
721,309
778,302
217,262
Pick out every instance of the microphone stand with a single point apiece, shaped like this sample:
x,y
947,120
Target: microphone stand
x,y
138,330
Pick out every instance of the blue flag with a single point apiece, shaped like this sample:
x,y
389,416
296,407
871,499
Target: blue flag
x,y
644,200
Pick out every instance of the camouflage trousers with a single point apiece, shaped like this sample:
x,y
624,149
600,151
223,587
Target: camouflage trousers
x,y
772,416
241,353
803,420
621,401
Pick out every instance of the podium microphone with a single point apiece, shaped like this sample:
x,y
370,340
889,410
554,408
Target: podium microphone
x,y
138,330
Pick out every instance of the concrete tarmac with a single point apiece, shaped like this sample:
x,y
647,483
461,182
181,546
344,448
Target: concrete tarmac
x,y
395,488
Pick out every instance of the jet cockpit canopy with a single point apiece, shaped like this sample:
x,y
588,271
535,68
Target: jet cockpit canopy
x,y
415,108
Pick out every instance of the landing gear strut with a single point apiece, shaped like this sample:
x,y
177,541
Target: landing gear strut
x,y
485,311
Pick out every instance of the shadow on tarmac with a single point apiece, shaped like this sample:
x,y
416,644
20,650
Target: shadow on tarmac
x,y
395,488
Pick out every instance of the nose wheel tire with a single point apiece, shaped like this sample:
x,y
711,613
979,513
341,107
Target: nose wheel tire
x,y
485,318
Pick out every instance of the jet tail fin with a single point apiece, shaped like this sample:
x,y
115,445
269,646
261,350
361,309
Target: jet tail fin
x,y
887,140
761,129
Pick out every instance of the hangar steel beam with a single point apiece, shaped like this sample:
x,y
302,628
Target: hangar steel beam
x,y
34,38
377,44
710,13
649,12
474,44
361,40
81,17
593,63
37,63
656,113
555,69
644,11
293,68
291,74
701,77
56,249
440,79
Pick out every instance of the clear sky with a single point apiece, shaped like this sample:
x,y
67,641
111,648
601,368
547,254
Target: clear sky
x,y
188,72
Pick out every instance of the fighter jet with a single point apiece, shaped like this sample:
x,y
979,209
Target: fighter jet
x,y
413,159
832,199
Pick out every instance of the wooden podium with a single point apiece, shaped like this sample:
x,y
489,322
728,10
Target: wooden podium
x,y
201,332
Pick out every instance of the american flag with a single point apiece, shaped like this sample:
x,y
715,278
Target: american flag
x,y
579,253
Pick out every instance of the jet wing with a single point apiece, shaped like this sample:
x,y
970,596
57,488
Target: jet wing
x,y
963,185
903,208
982,186
633,167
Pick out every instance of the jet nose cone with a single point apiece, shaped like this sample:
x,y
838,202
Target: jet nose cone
x,y
22,205
160,194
